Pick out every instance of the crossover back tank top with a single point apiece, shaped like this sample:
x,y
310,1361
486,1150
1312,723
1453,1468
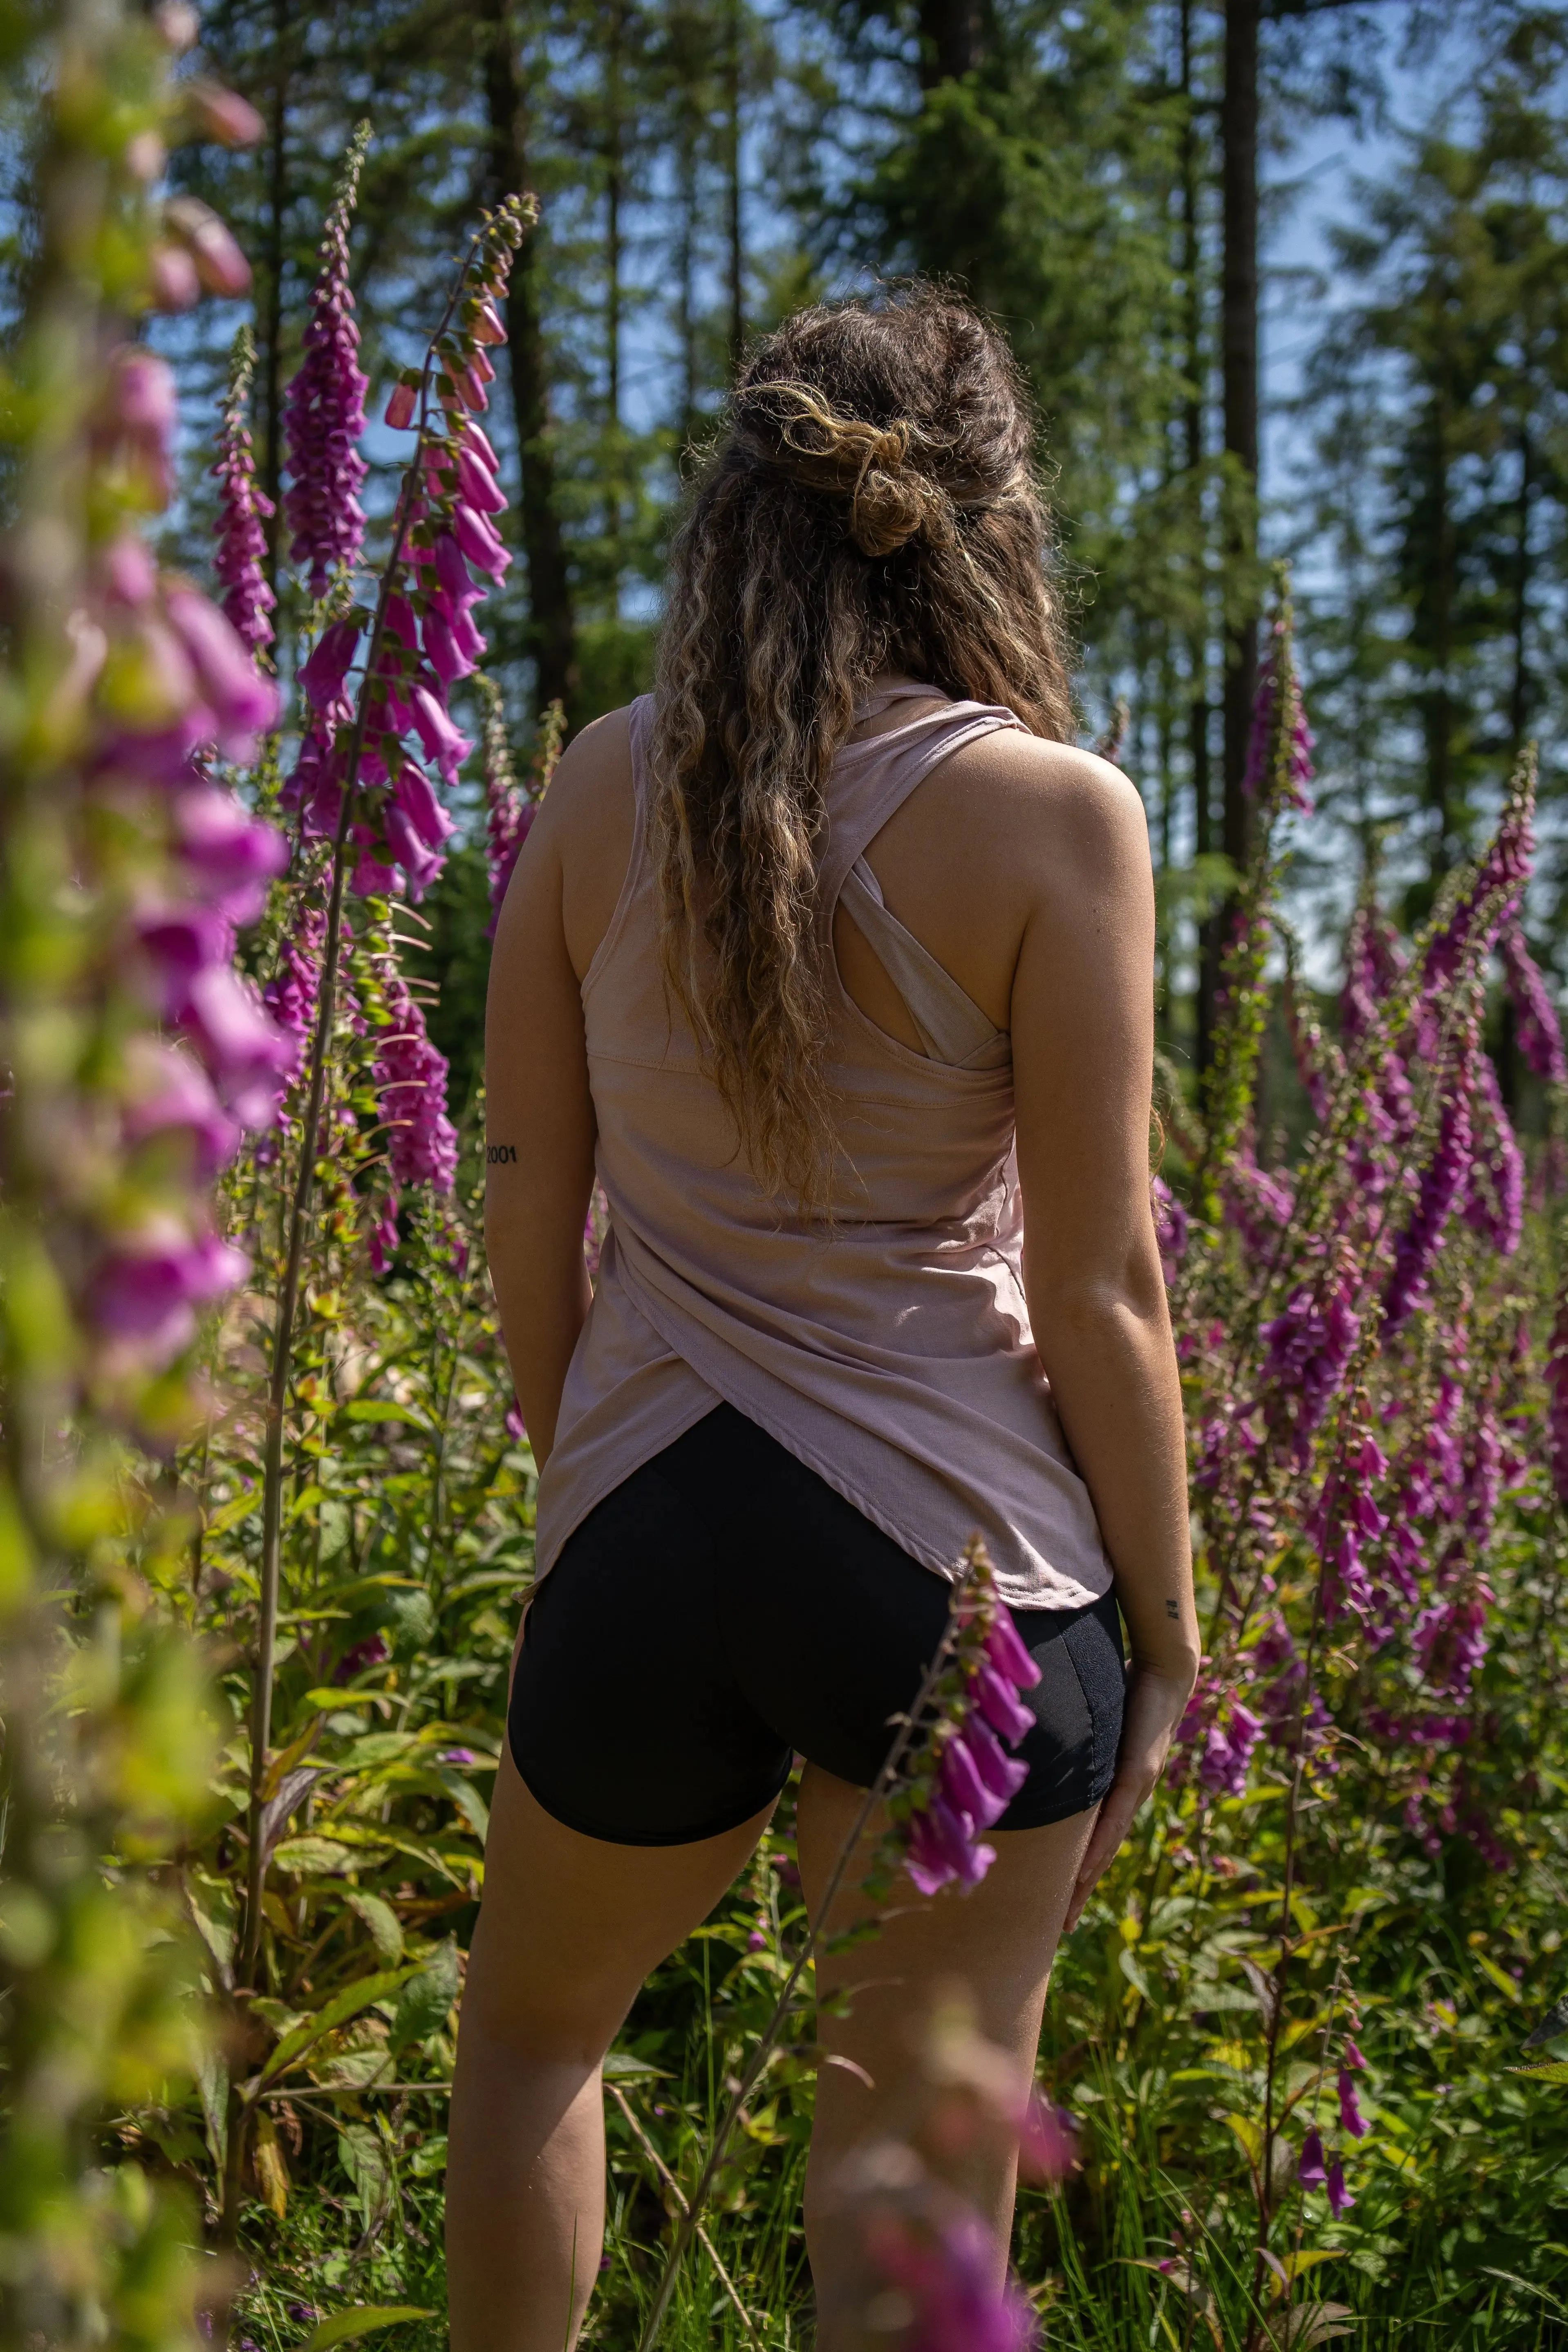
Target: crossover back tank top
x,y
887,1345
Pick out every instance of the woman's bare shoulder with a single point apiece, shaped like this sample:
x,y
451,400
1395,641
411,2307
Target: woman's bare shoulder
x,y
584,828
1045,816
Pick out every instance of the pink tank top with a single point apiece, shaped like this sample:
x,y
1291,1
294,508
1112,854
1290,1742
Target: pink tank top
x,y
890,1348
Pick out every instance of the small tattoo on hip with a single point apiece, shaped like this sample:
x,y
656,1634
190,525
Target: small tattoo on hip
x,y
500,1155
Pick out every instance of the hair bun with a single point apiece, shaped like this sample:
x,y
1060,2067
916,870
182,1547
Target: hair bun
x,y
889,498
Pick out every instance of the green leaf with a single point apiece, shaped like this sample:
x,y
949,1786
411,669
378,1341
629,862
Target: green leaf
x,y
1504,1984
428,1997
385,1928
313,1857
337,2012
238,1508
1554,2070
622,2064
348,2326
386,1408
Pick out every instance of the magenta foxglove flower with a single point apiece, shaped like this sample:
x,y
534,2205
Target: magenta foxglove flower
x,y
1557,1400
1310,1345
372,1652
148,1288
243,508
1339,2196
1047,2139
1354,2058
1227,1751
243,704
974,1780
172,1095
1443,1181
1538,1030
1494,1196
1351,2116
1280,748
1492,900
1311,2171
1170,1227
331,659
232,854
411,1078
945,2273
323,411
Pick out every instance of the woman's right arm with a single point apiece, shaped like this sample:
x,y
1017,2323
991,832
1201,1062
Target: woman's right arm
x,y
538,1129
1083,1041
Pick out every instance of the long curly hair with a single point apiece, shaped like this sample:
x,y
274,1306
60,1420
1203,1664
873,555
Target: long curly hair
x,y
870,505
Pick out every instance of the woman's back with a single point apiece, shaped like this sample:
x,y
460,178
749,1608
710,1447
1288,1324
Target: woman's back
x,y
882,1334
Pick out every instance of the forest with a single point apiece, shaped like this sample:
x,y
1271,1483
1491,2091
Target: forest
x,y
353,367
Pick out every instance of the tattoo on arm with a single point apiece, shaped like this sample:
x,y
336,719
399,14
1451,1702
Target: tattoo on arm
x,y
1172,1609
500,1155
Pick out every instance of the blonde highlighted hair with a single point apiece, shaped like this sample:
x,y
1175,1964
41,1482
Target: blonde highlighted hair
x,y
869,506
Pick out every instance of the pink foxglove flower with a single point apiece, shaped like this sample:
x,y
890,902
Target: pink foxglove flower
x,y
966,1780
411,1078
1442,1186
1340,2197
323,409
1557,1400
1539,1031
1280,748
1172,1227
1227,1751
1311,2171
1351,2116
243,508
1494,1197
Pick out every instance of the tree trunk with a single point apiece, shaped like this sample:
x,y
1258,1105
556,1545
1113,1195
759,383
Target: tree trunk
x,y
737,254
614,194
1195,370
552,626
952,40
1238,132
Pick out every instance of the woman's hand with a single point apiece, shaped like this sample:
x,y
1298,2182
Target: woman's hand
x,y
1156,1705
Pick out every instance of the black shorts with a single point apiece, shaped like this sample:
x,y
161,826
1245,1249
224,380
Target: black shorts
x,y
725,1609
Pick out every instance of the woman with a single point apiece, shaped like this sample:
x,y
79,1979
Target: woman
x,y
829,956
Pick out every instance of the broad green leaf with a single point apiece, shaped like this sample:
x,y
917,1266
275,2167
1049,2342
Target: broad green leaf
x,y
1135,1974
337,2012
1554,2070
348,2326
386,1409
621,2063
230,1514
315,1857
428,1997
1504,1984
385,1928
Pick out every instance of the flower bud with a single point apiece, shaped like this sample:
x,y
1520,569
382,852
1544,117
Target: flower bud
x,y
219,263
175,286
222,114
178,25
400,407
145,156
